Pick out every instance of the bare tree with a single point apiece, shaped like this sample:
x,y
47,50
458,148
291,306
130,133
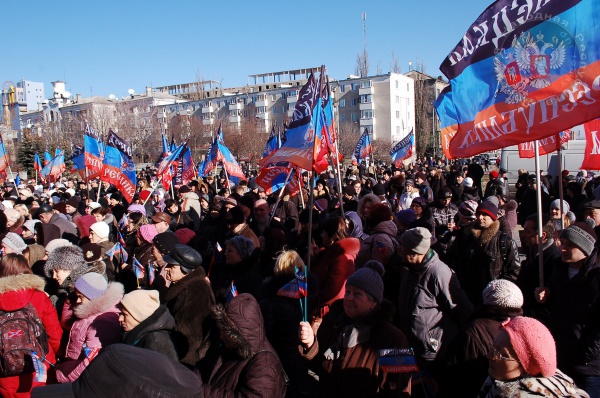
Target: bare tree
x,y
395,67
423,110
379,70
137,123
362,64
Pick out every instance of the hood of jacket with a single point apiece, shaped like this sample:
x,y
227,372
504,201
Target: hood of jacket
x,y
484,236
242,323
191,196
511,205
161,319
387,227
109,300
16,291
357,231
367,198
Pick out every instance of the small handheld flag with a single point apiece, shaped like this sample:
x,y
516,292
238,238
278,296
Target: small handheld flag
x,y
231,292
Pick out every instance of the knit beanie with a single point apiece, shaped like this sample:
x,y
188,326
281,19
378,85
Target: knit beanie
x,y
136,208
12,215
15,242
147,232
92,285
141,303
165,242
101,229
489,209
417,240
468,182
67,258
556,205
581,235
30,225
243,245
56,243
380,213
493,200
493,174
533,344
185,235
468,209
502,293
369,279
406,217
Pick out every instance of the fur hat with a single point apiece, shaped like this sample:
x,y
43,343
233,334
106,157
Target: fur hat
x,y
67,258
369,279
92,285
165,242
56,243
141,303
489,209
243,245
502,293
533,344
147,232
581,235
417,240
15,242
101,229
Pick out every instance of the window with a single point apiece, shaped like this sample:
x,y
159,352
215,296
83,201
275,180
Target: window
x,y
397,130
396,83
353,101
397,114
342,103
366,114
354,86
407,87
282,96
365,99
366,84
342,88
342,118
283,109
354,116
274,110
397,99
274,97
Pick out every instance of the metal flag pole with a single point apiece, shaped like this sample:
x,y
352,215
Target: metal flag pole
x,y
154,189
87,181
227,178
560,186
539,213
336,161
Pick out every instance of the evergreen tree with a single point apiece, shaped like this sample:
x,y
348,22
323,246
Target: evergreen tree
x,y
30,144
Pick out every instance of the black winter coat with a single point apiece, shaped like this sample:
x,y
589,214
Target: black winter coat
x,y
156,333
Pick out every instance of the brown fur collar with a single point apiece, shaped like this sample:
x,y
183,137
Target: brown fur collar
x,y
243,348
484,236
110,298
21,282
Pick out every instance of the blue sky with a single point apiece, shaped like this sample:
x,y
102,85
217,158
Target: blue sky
x,y
108,47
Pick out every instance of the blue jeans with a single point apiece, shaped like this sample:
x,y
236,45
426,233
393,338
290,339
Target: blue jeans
x,y
590,384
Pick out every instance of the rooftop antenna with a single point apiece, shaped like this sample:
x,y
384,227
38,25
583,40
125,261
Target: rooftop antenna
x,y
364,18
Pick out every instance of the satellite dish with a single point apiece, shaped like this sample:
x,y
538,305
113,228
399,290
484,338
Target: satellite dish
x,y
130,91
112,97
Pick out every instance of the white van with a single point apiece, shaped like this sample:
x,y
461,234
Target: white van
x,y
571,154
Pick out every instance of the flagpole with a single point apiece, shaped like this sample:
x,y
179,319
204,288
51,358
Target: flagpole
x,y
36,177
339,173
87,182
172,191
227,179
11,175
280,195
99,190
539,213
311,204
560,187
154,188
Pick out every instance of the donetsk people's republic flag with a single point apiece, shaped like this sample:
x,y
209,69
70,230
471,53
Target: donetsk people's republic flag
x,y
524,70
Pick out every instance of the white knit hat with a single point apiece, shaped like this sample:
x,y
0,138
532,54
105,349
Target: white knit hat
x,y
15,242
101,229
502,293
56,243
468,182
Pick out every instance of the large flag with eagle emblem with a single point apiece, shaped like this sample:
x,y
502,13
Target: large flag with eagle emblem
x,y
118,167
523,71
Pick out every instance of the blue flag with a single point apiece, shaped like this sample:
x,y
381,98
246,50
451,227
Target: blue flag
x,y
119,169
363,148
403,149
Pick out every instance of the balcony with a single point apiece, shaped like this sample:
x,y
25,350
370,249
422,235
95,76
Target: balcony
x,y
365,90
208,122
290,113
263,115
365,106
367,121
238,106
235,119
208,109
292,99
262,102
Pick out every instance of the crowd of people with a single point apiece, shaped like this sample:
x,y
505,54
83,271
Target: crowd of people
x,y
431,265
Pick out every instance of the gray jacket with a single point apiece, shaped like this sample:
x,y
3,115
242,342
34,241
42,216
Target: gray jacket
x,y
431,306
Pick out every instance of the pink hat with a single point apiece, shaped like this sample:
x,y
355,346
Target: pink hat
x,y
147,232
533,344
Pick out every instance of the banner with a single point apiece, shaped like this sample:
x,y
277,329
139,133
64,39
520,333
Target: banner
x,y
119,169
546,145
523,71
37,163
78,159
403,150
304,129
273,143
52,171
272,177
591,157
93,150
47,158
363,148
229,163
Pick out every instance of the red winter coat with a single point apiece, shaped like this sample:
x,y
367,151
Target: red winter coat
x,y
332,266
15,293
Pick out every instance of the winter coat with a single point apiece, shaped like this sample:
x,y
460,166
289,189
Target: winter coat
x,y
245,275
15,293
574,318
156,333
380,245
467,354
559,385
480,260
67,228
432,306
332,266
189,300
250,368
354,371
406,199
442,216
96,327
510,214
191,206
